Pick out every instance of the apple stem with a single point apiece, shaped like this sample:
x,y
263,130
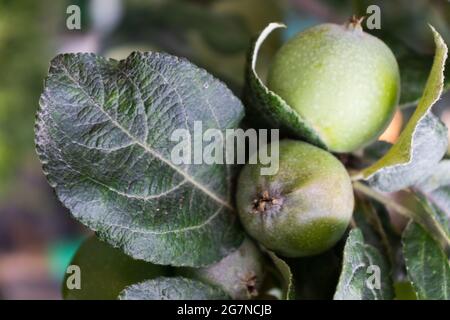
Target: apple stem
x,y
355,23
388,202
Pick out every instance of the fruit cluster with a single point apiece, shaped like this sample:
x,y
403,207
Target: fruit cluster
x,y
345,84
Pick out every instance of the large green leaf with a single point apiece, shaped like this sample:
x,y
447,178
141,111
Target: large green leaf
x,y
427,265
423,142
358,257
177,288
266,108
106,271
103,136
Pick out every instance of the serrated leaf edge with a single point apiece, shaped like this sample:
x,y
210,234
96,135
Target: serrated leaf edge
x,y
317,140
439,43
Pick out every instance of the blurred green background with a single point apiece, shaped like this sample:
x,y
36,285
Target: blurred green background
x,y
37,235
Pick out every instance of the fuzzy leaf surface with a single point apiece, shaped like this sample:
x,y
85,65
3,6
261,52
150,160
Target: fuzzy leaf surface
x,y
103,135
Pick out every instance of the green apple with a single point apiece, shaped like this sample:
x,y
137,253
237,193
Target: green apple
x,y
304,208
240,274
343,82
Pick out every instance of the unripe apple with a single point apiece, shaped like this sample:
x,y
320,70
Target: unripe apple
x,y
240,274
304,208
343,82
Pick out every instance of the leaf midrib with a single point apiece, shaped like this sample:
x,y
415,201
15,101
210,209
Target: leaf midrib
x,y
184,229
147,148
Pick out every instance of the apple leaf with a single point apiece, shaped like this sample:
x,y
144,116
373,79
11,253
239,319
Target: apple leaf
x,y
432,219
375,225
414,68
418,208
423,142
440,198
436,187
103,135
105,271
427,265
286,275
177,288
404,291
362,265
440,177
265,108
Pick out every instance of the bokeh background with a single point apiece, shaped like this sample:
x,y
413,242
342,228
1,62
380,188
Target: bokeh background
x,y
37,235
